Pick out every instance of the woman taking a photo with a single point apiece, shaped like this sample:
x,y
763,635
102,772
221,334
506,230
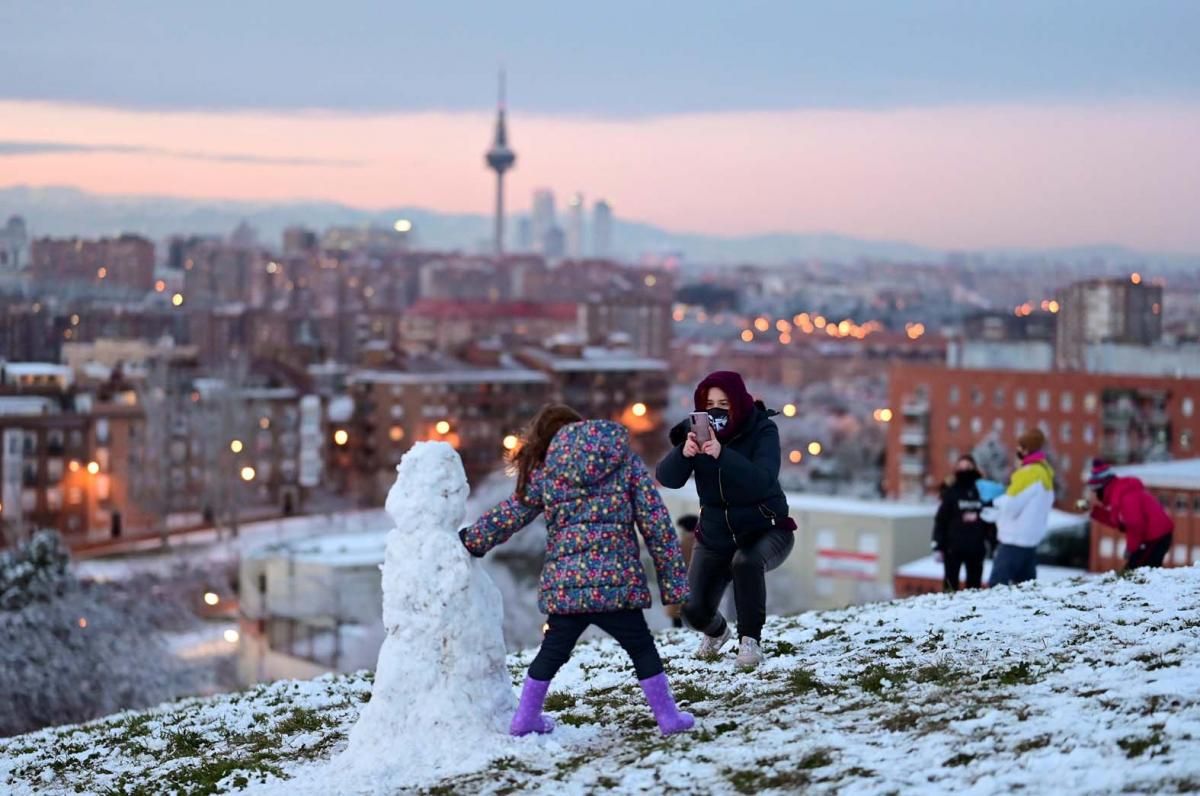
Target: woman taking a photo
x,y
744,529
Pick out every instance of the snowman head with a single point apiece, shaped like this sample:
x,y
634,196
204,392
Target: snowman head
x,y
431,489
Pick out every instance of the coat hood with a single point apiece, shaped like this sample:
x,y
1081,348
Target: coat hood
x,y
587,453
741,404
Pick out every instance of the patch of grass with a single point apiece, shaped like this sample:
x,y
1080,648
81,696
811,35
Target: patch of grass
x,y
1040,742
857,771
901,722
1135,746
753,781
301,720
960,759
874,678
560,701
803,681
573,719
940,673
933,642
692,693
1018,674
185,743
724,727
825,633
818,758
783,648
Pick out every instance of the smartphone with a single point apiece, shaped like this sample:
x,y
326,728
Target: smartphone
x,y
702,426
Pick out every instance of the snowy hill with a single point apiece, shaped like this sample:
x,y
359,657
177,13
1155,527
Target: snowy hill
x,y
1084,686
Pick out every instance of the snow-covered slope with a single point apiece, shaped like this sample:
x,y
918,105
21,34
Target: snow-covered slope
x,y
1088,686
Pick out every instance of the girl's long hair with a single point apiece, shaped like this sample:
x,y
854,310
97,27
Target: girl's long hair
x,y
530,453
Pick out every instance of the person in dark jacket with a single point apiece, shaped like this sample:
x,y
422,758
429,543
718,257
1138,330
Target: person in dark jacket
x,y
960,536
687,543
1125,504
744,529
593,490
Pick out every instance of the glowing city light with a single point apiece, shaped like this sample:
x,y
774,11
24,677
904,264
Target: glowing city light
x,y
789,410
762,324
341,437
93,467
82,622
795,457
247,473
443,427
264,423
73,466
160,286
211,598
395,433
639,410
1135,278
747,336
101,272
511,442
403,225
814,448
236,446
651,280
232,636
177,300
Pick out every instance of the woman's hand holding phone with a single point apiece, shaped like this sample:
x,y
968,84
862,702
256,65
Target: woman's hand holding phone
x,y
711,448
690,447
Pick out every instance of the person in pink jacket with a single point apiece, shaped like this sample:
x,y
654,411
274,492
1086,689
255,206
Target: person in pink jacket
x,y
1124,503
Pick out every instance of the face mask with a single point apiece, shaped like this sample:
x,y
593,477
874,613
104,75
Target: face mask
x,y
719,418
966,476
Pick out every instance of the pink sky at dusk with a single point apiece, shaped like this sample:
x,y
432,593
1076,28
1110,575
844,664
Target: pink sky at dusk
x,y
953,177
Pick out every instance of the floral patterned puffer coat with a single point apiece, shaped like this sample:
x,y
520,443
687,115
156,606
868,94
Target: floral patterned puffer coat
x,y
593,490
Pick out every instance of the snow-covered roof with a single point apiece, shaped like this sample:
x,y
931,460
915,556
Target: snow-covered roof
x,y
340,549
929,568
466,376
1180,474
594,359
26,405
341,409
51,369
269,393
799,501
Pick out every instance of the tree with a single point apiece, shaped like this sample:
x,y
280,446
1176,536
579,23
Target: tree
x,y
67,653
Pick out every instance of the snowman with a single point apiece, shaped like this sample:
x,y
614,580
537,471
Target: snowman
x,y
442,691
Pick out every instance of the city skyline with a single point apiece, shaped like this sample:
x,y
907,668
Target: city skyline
x,y
968,128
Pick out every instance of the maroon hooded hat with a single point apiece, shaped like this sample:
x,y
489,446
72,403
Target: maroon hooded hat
x,y
741,403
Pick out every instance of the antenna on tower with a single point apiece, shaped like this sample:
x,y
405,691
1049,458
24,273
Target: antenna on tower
x,y
502,98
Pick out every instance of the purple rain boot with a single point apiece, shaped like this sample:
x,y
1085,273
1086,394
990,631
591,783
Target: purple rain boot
x,y
670,719
529,717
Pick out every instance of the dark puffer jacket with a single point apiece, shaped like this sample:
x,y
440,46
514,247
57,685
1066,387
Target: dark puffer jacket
x,y
593,490
958,526
740,495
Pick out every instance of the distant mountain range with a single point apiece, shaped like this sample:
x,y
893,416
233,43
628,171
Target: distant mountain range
x,y
60,211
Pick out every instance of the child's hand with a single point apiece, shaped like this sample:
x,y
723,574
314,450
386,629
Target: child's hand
x,y
691,448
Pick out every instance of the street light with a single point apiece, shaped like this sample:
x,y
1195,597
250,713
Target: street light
x,y
177,300
93,467
789,410
236,446
232,636
442,427
814,448
340,437
247,473
211,598
511,442
639,409
795,457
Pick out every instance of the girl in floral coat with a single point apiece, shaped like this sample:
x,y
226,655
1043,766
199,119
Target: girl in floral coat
x,y
592,490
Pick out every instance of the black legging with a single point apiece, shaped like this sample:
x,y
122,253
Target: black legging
x,y
1150,554
711,572
955,560
627,627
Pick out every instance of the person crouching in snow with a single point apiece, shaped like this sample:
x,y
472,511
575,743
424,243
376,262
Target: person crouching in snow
x,y
592,489
1124,503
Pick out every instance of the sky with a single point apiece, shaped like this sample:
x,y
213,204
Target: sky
x,y
951,124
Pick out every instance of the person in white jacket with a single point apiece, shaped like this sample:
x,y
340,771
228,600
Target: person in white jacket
x,y
1022,513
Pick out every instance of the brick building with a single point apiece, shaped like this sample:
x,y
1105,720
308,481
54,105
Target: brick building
x,y
940,413
124,262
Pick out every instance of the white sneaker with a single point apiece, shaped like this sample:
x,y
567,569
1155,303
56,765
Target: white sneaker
x,y
710,647
750,654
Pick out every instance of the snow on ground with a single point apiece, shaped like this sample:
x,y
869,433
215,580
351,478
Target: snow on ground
x,y
1076,686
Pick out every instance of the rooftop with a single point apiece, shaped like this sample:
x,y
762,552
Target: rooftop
x,y
1179,474
463,376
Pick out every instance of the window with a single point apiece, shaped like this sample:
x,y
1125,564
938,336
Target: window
x,y
102,431
976,425
1066,402
54,499
954,395
74,496
54,470
1019,426
1090,402
998,425
998,398
1019,399
1089,433
102,487
1187,405
1065,463
1043,400
953,423
952,456
1064,432
976,396
1185,440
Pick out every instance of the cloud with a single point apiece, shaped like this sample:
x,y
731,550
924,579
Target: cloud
x,y
25,148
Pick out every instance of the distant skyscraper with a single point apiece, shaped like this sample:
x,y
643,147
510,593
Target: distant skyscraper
x,y
500,159
602,224
555,244
575,227
524,234
13,242
543,217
